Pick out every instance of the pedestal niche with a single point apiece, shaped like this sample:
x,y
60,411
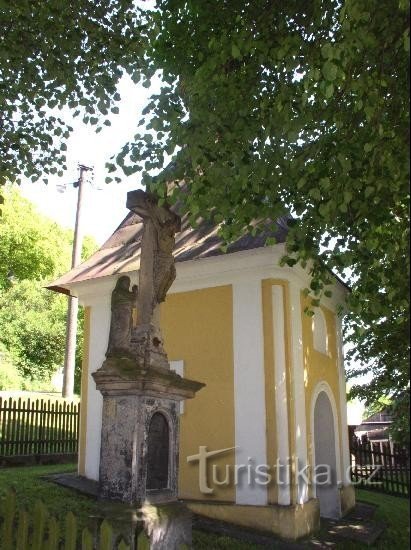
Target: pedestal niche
x,y
140,430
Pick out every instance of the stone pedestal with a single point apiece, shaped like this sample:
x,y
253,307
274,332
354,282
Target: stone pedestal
x,y
166,526
140,430
147,348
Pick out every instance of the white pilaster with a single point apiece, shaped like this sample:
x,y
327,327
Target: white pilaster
x,y
345,448
99,330
249,389
298,389
280,378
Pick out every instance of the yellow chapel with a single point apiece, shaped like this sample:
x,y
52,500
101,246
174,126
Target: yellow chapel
x,y
265,443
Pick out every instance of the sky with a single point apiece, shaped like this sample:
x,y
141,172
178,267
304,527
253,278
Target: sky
x,y
103,204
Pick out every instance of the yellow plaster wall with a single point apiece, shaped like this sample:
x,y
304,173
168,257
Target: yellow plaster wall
x,y
198,328
319,367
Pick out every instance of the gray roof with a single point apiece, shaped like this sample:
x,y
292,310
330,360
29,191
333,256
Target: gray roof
x,y
121,252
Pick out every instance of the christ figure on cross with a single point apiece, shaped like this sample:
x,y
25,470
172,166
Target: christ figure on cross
x,y
157,270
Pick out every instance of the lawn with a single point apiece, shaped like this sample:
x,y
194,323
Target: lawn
x,y
394,512
29,486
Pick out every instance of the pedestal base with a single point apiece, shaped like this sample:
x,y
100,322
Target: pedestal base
x,y
167,527
140,430
125,441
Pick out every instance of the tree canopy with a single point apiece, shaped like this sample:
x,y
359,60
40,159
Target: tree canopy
x,y
269,107
56,54
33,249
265,108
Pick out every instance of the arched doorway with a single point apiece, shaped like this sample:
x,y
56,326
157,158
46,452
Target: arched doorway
x,y
158,453
325,467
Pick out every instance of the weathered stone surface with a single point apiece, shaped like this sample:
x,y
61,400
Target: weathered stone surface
x,y
157,273
121,376
168,526
125,448
122,303
141,395
131,398
146,346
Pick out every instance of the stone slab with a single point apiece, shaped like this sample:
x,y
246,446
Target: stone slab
x,y
357,526
81,484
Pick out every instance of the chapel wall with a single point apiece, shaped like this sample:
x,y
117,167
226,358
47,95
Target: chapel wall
x,y
198,329
320,366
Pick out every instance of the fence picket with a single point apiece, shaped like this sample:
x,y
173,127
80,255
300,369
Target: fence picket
x,y
71,532
31,437
2,417
23,422
39,524
8,519
17,423
36,429
23,530
77,426
143,542
123,546
53,539
106,536
71,428
13,424
59,428
86,540
47,432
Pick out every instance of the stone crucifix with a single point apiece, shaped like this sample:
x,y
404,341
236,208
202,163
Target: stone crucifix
x,y
157,272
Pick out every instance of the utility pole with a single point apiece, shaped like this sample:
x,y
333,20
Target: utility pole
x,y
72,311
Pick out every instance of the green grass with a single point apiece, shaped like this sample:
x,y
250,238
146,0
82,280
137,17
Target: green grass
x,y
208,541
394,512
29,486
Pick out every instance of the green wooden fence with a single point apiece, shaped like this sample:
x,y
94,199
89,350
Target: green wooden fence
x,y
380,466
39,530
38,427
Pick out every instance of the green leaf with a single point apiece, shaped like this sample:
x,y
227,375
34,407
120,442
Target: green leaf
x,y
330,71
369,190
329,91
327,51
406,41
235,51
315,193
